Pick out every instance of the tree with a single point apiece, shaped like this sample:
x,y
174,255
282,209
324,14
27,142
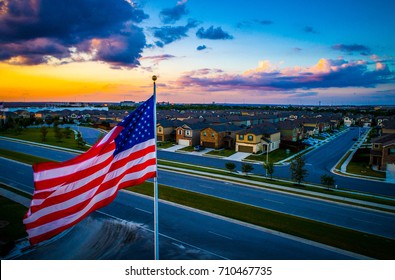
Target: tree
x,y
298,173
80,141
230,166
58,133
44,132
328,181
67,132
269,167
246,168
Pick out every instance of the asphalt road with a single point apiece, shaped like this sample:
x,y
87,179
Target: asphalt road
x,y
184,233
365,220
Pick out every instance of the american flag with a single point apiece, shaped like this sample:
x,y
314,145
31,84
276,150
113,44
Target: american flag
x,y
67,192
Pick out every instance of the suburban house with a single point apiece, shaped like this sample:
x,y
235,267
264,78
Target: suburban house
x,y
311,126
240,120
382,153
166,129
189,133
260,138
291,130
348,121
219,136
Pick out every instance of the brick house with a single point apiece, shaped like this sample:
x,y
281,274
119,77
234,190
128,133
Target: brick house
x,y
189,133
382,153
166,130
219,136
258,139
291,131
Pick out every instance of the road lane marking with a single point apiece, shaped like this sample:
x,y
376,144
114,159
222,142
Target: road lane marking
x,y
203,186
142,210
369,222
220,235
279,202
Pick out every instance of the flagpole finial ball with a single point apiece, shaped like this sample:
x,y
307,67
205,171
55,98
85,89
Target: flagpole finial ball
x,y
154,78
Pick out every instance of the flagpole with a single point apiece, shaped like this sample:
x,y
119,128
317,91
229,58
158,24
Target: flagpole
x,y
156,220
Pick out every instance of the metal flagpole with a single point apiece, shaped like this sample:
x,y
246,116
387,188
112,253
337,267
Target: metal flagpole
x,y
156,221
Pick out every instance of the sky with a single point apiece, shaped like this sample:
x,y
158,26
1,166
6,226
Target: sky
x,y
305,52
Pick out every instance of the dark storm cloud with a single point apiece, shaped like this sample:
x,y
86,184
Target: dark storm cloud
x,y
32,30
169,34
213,34
200,48
363,50
172,15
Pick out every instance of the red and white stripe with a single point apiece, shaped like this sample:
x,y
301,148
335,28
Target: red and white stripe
x,y
67,192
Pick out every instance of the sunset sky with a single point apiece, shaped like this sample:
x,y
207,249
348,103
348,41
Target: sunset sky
x,y
267,52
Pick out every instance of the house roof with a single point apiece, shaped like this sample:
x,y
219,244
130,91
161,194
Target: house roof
x,y
385,140
225,127
194,126
288,125
170,123
389,124
262,129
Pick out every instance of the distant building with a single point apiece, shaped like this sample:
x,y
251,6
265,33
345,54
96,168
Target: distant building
x,y
128,103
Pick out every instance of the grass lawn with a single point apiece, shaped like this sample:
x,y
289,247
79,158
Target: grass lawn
x,y
361,168
187,149
21,157
359,165
34,135
11,226
164,144
222,153
274,156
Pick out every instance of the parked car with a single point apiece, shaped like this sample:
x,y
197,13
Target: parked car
x,y
198,148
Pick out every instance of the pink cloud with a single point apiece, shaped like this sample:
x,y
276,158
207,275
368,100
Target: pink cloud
x,y
326,73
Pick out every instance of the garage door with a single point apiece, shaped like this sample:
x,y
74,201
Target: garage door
x,y
183,142
209,144
245,149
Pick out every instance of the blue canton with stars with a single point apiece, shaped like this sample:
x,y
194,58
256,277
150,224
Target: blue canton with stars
x,y
138,127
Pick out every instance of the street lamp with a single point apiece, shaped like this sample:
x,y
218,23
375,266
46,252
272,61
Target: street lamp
x,y
267,154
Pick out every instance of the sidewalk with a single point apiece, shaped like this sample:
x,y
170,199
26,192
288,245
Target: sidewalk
x,y
15,197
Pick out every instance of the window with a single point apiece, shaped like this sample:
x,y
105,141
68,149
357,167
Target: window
x,y
250,137
205,133
241,137
159,129
377,146
180,132
391,151
188,133
212,135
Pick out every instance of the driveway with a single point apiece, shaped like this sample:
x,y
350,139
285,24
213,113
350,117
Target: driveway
x,y
239,156
391,173
174,148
